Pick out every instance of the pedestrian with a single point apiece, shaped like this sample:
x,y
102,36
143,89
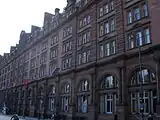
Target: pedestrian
x,y
150,117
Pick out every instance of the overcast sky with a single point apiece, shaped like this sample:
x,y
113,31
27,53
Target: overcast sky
x,y
17,15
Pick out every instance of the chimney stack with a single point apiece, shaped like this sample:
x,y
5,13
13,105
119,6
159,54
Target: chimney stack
x,y
57,11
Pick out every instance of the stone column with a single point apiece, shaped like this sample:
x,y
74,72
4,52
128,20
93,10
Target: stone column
x,y
158,85
45,98
57,98
94,95
73,95
122,104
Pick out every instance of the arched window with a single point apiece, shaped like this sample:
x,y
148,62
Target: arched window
x,y
108,99
84,86
109,82
52,97
148,97
83,96
65,96
145,76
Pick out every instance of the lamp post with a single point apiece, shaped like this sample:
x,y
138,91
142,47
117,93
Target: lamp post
x,y
139,40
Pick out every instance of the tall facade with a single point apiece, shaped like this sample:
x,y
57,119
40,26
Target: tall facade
x,y
90,62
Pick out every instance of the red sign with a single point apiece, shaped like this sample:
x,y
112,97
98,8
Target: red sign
x,y
26,82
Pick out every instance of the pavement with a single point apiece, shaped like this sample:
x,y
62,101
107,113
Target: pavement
x,y
8,117
5,117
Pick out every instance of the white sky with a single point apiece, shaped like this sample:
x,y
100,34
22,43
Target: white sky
x,y
17,15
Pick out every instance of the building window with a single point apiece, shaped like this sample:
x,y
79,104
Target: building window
x,y
137,13
112,25
101,51
106,9
101,12
65,97
88,19
67,46
101,30
84,57
154,100
84,37
110,48
53,53
67,63
135,101
107,49
43,58
139,38
147,36
84,98
44,46
52,104
111,5
131,41
109,82
52,67
113,47
108,100
88,36
106,27
145,76
54,39
142,38
79,59
145,10
129,17
84,86
80,23
67,32
52,92
85,21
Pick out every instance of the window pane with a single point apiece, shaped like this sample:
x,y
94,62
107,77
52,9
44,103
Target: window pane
x,y
134,106
101,51
147,36
112,25
107,27
139,38
145,10
101,12
137,14
102,104
107,49
129,17
101,30
106,8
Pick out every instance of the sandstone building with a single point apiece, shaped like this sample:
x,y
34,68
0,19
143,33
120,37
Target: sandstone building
x,y
87,63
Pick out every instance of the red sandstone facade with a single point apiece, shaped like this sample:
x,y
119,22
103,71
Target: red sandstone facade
x,y
97,56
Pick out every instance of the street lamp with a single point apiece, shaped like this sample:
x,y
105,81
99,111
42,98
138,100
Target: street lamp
x,y
139,42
